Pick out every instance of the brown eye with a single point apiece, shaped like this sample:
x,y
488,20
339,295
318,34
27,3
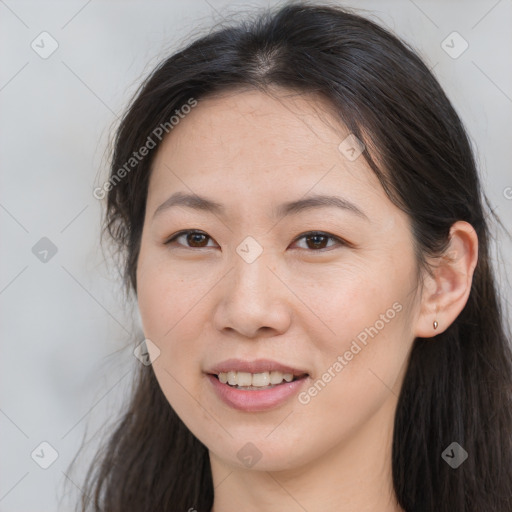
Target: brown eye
x,y
317,240
196,239
193,239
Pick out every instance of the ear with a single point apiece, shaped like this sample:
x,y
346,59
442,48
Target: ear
x,y
446,292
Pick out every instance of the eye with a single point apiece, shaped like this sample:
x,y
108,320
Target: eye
x,y
196,239
315,240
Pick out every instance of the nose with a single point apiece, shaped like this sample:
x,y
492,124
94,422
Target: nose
x,y
253,301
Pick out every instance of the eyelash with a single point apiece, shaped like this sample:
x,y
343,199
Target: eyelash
x,y
303,235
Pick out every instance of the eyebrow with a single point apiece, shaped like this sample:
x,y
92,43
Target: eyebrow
x,y
205,204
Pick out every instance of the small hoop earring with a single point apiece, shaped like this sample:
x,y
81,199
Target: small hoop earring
x,y
435,324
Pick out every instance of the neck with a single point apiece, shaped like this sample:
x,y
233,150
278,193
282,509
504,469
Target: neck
x,y
354,476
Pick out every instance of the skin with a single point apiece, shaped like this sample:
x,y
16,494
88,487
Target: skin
x,y
296,303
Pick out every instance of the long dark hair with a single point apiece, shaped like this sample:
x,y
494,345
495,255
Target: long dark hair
x,y
458,386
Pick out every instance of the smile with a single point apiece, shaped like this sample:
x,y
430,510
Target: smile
x,y
253,381
255,386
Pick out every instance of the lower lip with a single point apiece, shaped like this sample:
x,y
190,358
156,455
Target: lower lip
x,y
256,400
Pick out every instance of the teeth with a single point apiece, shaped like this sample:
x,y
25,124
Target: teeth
x,y
258,380
244,379
276,377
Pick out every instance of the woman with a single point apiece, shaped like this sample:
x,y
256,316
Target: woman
x,y
303,228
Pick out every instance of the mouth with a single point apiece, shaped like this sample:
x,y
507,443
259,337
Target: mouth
x,y
257,381
257,385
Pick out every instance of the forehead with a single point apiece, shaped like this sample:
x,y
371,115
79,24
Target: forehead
x,y
282,126
260,147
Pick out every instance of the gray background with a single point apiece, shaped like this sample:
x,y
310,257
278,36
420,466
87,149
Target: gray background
x,y
67,332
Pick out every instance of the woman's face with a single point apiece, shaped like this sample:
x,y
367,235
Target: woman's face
x,y
255,293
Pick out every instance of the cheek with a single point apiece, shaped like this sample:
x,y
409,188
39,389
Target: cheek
x,y
169,316
166,315
166,297
356,380
370,336
170,305
346,301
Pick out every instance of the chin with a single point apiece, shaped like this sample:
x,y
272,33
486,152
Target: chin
x,y
260,454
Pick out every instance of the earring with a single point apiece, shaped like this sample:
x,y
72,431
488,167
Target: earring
x,y
435,324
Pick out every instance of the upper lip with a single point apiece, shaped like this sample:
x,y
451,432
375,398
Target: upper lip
x,y
256,366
